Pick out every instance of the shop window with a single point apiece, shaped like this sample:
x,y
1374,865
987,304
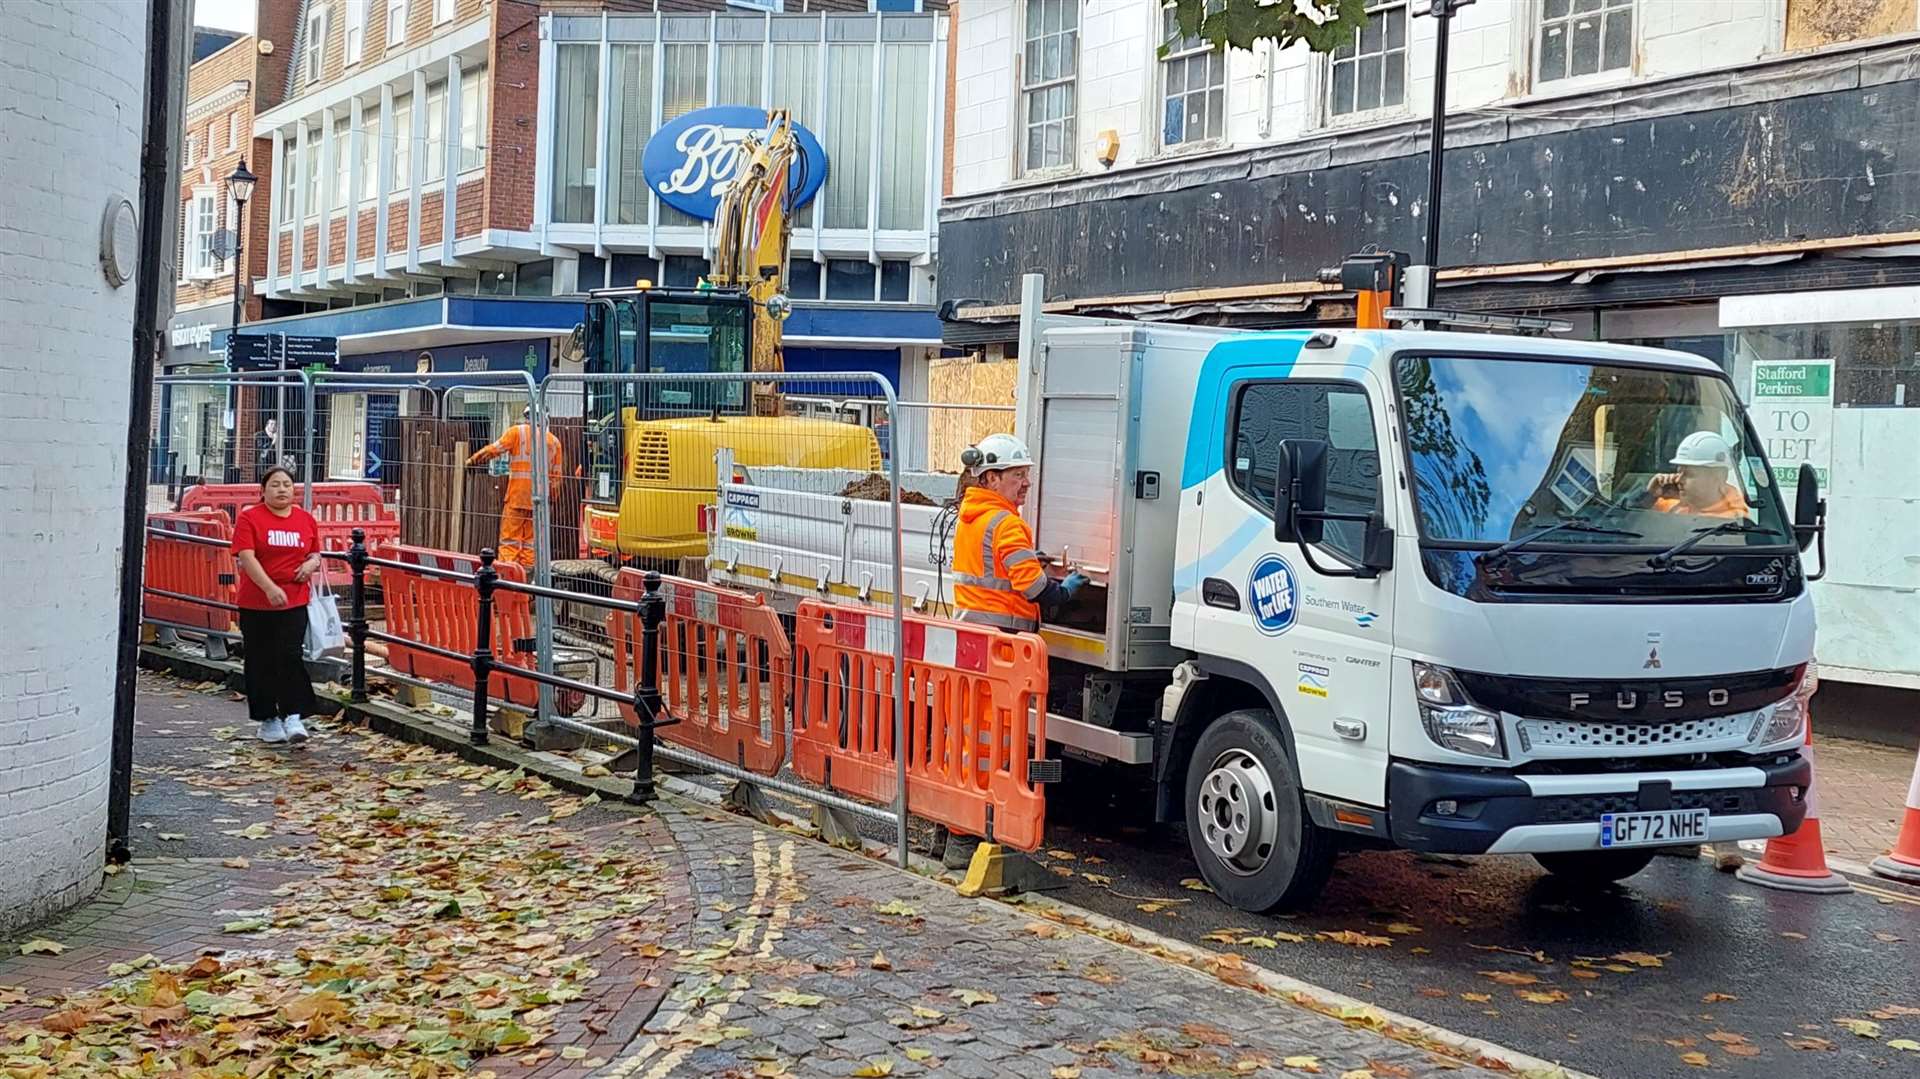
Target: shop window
x,y
1047,82
1584,37
682,271
849,279
803,279
628,269
1369,73
1193,76
896,284
592,273
534,279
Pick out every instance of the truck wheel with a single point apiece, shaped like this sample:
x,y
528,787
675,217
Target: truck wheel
x,y
1246,821
1595,866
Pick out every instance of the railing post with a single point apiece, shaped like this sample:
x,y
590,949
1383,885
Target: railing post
x,y
357,623
483,646
646,692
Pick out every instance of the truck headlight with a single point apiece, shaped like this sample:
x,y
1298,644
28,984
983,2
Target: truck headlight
x,y
1786,720
1451,719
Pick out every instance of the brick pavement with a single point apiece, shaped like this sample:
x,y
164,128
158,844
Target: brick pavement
x,y
1863,795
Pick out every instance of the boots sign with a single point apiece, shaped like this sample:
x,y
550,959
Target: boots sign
x,y
1792,410
692,158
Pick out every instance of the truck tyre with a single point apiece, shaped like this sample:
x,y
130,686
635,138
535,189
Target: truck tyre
x,y
1246,821
1595,866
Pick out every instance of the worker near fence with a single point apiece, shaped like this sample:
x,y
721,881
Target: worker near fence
x,y
516,517
999,578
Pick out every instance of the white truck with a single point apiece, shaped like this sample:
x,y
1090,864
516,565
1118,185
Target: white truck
x,y
1436,591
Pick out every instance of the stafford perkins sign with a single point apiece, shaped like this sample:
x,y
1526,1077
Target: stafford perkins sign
x,y
692,158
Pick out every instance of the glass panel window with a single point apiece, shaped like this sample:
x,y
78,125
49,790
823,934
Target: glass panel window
x,y
628,129
896,284
803,279
1370,72
202,221
629,270
534,279
313,172
1050,64
316,42
683,88
403,142
849,279
442,11
284,168
436,123
473,119
1584,37
576,119
396,22
848,140
342,164
904,72
369,155
682,271
1194,86
1337,413
356,29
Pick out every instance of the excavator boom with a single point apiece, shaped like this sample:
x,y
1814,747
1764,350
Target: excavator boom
x,y
755,221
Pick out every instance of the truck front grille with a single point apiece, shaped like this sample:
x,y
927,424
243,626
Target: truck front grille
x,y
1582,735
1570,808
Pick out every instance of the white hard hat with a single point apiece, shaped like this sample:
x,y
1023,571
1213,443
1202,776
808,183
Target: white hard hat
x,y
996,452
1704,449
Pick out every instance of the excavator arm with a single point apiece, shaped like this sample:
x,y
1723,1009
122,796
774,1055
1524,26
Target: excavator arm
x,y
755,224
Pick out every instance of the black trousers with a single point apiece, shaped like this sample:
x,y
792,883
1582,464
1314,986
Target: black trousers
x,y
276,672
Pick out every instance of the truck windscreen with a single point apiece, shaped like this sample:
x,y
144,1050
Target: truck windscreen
x,y
1617,455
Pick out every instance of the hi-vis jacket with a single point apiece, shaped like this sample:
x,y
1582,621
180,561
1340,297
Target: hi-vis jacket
x,y
997,575
518,443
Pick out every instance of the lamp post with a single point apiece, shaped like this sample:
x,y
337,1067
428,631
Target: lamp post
x,y
240,188
1420,279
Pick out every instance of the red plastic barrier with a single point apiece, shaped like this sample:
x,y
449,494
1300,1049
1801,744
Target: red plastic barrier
x,y
725,666
339,507
975,717
443,613
190,569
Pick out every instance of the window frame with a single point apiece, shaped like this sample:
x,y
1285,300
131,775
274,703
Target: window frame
x,y
1602,77
443,11
356,37
1026,89
203,210
1238,390
313,62
1359,116
397,28
1162,63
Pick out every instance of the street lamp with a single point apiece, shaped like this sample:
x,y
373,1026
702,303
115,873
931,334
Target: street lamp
x,y
240,189
1420,279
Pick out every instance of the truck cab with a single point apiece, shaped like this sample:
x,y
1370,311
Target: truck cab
x,y
1449,592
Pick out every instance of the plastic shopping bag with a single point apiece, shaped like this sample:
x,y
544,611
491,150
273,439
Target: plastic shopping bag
x,y
326,637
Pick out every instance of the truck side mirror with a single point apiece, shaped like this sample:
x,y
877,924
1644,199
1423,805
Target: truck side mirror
x,y
1809,509
1300,491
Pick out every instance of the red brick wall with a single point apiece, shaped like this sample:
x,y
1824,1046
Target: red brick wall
x,y
513,73
214,160
420,28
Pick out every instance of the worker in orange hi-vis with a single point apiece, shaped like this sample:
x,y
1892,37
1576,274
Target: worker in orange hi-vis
x,y
516,517
999,577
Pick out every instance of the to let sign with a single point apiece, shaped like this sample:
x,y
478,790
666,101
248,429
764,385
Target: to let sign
x,y
1792,408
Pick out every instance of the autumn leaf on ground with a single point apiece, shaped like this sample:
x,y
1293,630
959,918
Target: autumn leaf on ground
x,y
1641,959
1907,1045
1063,855
1535,996
1098,880
42,946
1726,1037
1357,940
787,998
1510,977
874,1069
1303,1063
1260,942
897,908
1066,1071
1697,1059
970,997
880,961
1433,992
237,863
1584,975
921,1011
1477,998
1809,1044
1195,884
171,837
1358,1073
1866,1028
1206,1035
1715,998
1401,929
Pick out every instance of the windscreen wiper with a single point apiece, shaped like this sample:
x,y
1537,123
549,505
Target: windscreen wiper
x,y
1732,524
1573,524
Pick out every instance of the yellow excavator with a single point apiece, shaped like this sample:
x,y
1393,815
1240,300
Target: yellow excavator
x,y
651,445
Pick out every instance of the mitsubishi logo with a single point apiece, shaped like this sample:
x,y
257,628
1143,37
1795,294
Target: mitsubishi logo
x,y
1653,659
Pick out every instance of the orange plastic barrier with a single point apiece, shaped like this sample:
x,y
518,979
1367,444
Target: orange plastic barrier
x,y
444,612
724,670
339,507
975,717
190,569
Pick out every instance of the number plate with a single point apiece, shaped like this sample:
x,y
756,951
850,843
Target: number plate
x,y
1656,829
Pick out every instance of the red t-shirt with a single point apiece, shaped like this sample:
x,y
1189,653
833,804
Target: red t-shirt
x,y
281,544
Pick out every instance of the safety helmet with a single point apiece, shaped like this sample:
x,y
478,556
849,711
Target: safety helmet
x,y
994,453
1704,449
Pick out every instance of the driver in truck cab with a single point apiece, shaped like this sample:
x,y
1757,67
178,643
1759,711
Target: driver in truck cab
x,y
999,578
1698,485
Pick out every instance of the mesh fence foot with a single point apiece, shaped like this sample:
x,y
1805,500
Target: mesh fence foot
x,y
837,827
744,797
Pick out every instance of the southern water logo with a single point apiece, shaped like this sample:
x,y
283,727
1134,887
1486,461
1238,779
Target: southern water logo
x,y
1366,620
692,158
1274,590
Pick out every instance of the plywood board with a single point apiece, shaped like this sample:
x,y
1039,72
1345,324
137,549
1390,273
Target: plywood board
x,y
969,382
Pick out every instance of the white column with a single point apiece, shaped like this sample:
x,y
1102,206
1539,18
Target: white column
x,y
451,147
601,127
274,200
873,156
417,111
356,151
384,185
328,168
544,140
299,202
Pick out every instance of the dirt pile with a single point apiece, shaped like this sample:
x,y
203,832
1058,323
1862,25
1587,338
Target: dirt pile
x,y
875,488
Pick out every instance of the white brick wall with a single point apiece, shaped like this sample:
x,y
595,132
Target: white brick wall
x,y
1119,84
71,99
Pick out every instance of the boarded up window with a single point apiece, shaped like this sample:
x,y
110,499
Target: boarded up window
x,y
1813,23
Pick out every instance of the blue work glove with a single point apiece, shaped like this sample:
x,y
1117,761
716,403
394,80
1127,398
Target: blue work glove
x,y
1073,583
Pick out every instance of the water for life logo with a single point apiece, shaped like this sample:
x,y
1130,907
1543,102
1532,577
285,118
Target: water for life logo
x,y
1273,586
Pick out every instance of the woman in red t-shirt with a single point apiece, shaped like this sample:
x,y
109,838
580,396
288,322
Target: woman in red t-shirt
x,y
278,547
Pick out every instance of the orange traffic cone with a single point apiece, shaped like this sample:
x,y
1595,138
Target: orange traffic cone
x,y
1903,861
1797,861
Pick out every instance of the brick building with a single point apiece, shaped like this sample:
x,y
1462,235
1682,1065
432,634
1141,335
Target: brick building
x,y
69,152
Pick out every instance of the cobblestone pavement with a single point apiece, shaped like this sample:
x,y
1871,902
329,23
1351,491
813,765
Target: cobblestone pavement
x,y
748,952
1863,795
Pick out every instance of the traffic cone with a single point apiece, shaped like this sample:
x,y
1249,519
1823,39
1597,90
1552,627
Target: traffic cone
x,y
1797,861
1903,861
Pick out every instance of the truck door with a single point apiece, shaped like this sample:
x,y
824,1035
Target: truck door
x,y
1320,640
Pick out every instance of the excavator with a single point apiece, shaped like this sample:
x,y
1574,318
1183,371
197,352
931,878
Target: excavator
x,y
651,445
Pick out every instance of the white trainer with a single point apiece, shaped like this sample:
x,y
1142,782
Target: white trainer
x,y
296,730
273,732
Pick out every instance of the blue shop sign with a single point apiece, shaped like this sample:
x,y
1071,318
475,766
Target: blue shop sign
x,y
690,160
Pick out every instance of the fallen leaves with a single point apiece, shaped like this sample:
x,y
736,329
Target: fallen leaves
x,y
1696,1059
171,837
880,961
237,863
1509,977
1548,996
1716,998
897,908
1354,939
971,997
1866,1028
1905,1045
1641,959
1195,884
874,1069
42,946
788,998
1809,1044
1065,1071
